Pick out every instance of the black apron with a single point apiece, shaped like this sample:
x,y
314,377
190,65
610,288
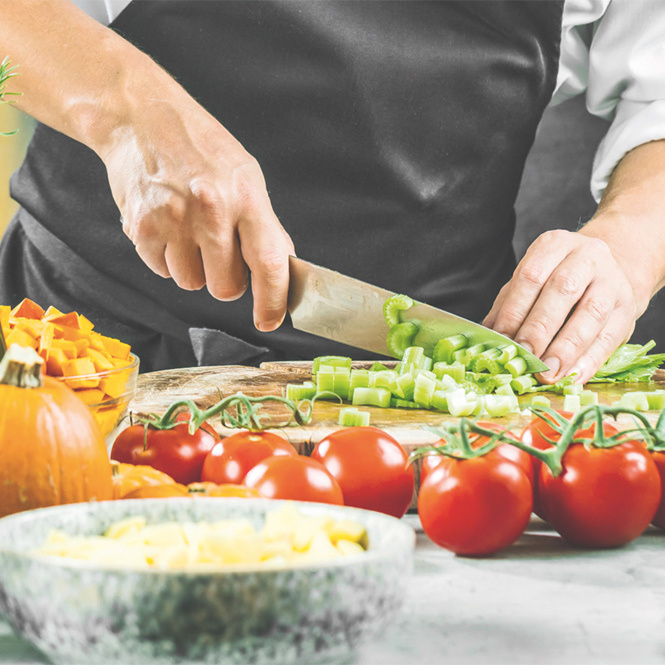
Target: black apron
x,y
392,135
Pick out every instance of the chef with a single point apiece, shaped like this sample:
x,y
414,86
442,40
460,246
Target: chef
x,y
185,148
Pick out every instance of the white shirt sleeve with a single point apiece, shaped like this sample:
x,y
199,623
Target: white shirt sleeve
x,y
615,50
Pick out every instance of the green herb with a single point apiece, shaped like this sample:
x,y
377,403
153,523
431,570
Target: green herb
x,y
6,72
630,362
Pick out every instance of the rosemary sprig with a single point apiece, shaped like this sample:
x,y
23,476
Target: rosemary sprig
x,y
7,70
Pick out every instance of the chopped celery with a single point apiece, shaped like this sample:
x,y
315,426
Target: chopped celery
x,y
516,366
488,361
636,400
508,352
371,397
424,389
413,355
458,404
504,389
573,389
572,403
444,348
402,387
377,367
523,383
540,400
446,382
351,417
470,354
454,370
439,400
403,403
587,397
393,306
330,361
333,379
399,338
382,379
503,379
499,405
359,378
300,391
656,400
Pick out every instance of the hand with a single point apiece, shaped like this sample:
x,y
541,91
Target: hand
x,y
195,205
570,302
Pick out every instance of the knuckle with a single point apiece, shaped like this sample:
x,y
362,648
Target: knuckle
x,y
570,346
274,266
566,282
598,309
537,330
532,273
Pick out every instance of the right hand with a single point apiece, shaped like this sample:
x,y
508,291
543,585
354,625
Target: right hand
x,y
195,205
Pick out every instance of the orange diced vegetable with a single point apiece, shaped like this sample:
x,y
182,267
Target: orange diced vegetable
x,y
22,338
27,309
91,395
55,359
69,320
68,347
116,348
72,369
101,360
115,384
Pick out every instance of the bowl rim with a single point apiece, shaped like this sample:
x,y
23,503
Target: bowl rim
x,y
405,542
107,372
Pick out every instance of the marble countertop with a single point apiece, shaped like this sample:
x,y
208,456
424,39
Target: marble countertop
x,y
541,601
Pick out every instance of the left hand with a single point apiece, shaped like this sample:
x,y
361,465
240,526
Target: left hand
x,y
569,301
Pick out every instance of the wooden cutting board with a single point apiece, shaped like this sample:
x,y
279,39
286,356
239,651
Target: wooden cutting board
x,y
204,385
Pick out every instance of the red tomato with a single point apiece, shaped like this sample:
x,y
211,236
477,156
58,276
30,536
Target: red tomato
x,y
538,434
605,497
503,450
475,507
231,458
185,416
370,466
174,451
659,518
298,478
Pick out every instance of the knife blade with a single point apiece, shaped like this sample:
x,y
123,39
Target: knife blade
x,y
329,304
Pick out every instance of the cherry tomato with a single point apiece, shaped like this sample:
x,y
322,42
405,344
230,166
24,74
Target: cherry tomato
x,y
605,497
174,451
659,517
294,477
370,466
231,458
185,416
538,434
503,450
475,507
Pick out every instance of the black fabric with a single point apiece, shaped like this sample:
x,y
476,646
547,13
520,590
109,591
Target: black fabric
x,y
392,135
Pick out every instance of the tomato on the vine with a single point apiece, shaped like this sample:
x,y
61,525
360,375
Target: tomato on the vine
x,y
503,450
370,466
605,496
476,506
174,451
659,459
294,477
230,460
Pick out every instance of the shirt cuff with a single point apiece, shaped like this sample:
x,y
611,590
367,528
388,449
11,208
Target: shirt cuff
x,y
634,123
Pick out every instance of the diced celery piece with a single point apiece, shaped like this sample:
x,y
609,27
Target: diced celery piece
x,y
516,366
505,389
399,338
439,401
459,356
413,355
330,361
636,400
424,389
403,403
479,409
498,406
587,397
503,379
508,352
377,367
446,382
325,381
541,400
487,361
382,379
415,373
371,397
359,378
393,306
300,391
571,403
455,370
522,383
351,417
427,363
573,389
458,405
472,352
402,387
444,348
656,400
342,381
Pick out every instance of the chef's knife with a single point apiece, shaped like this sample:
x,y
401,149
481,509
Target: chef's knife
x,y
329,304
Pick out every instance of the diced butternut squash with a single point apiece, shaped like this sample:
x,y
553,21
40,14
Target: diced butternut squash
x,y
91,395
22,338
27,309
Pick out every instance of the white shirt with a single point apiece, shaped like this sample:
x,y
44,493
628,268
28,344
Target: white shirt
x,y
612,50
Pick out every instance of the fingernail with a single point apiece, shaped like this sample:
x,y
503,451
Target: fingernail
x,y
268,326
554,365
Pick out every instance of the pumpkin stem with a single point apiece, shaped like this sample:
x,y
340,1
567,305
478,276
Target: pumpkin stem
x,y
21,366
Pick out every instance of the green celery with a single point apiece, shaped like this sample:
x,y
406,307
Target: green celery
x,y
359,378
403,403
572,403
414,355
454,370
541,400
444,348
424,389
399,338
636,400
588,397
523,383
382,379
330,361
508,352
439,400
393,306
656,400
516,366
573,389
458,404
351,417
377,367
371,397
402,387
300,391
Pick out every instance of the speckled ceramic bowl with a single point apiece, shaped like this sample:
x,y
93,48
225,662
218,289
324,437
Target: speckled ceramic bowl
x,y
78,613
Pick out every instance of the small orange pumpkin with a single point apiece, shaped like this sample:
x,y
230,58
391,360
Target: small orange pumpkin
x,y
128,477
52,451
206,488
157,491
